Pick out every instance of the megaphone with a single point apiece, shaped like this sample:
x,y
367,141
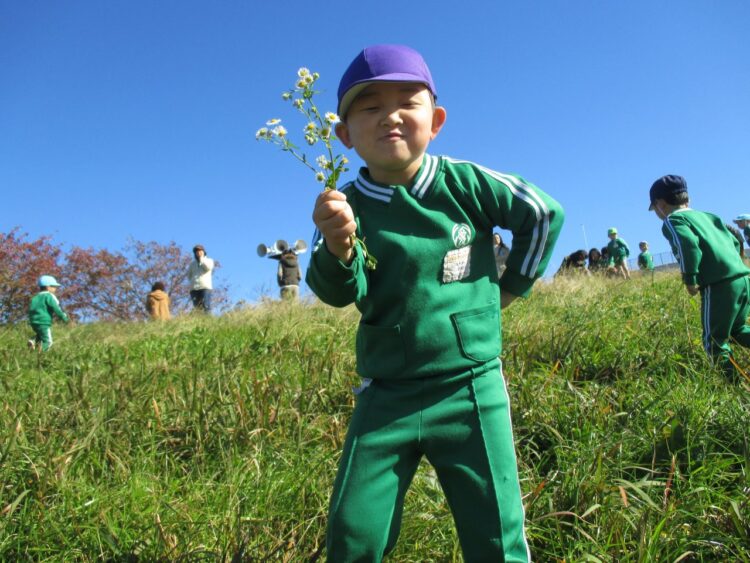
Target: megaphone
x,y
281,246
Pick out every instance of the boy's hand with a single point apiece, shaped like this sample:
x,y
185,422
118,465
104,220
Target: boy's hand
x,y
693,289
506,298
334,218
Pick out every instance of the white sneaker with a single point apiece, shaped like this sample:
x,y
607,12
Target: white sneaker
x,y
31,344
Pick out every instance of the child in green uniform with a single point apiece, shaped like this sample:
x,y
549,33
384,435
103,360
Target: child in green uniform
x,y
711,266
618,251
428,342
41,310
645,261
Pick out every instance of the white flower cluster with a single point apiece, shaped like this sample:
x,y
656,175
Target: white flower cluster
x,y
278,131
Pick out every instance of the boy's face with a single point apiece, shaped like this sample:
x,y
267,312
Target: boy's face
x,y
390,125
612,236
643,247
52,289
741,223
659,209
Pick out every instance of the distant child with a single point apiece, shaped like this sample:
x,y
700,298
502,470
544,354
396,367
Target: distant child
x,y
605,260
711,266
575,264
428,342
157,303
645,260
618,251
743,222
43,307
596,263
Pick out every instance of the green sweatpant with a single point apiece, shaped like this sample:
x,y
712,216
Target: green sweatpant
x,y
724,311
43,336
462,424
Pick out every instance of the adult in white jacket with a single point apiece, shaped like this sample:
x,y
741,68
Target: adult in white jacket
x,y
199,274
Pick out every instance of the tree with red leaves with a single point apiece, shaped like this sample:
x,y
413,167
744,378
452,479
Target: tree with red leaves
x,y
22,261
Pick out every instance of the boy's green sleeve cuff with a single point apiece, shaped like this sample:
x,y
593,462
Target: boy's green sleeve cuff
x,y
332,266
334,282
515,283
690,279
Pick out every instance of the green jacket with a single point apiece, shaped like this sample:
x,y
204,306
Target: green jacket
x,y
618,250
645,261
707,252
432,305
43,305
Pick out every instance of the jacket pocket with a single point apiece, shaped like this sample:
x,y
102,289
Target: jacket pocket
x,y
478,332
380,351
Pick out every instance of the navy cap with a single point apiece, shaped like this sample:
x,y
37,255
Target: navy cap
x,y
666,186
382,63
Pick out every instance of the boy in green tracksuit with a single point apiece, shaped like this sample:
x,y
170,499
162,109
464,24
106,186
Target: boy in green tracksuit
x,y
618,254
41,310
645,261
429,338
711,266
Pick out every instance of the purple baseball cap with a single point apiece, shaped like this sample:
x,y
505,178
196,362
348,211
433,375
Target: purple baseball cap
x,y
382,63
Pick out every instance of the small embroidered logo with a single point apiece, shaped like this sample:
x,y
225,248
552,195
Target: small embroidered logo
x,y
461,234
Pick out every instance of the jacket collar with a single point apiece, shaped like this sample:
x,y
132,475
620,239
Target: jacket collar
x,y
422,185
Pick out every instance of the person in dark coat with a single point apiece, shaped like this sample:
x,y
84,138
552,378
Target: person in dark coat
x,y
289,275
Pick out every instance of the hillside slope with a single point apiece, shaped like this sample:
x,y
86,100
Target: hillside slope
x,y
218,438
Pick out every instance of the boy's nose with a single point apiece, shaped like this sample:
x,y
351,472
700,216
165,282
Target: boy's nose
x,y
392,118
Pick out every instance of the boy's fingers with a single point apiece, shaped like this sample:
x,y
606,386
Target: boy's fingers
x,y
329,209
329,195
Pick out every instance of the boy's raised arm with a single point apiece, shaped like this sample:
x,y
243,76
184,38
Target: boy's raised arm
x,y
337,273
534,218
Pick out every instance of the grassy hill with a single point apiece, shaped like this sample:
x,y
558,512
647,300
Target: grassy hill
x,y
217,438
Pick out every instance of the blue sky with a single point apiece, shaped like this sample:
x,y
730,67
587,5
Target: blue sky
x,y
137,119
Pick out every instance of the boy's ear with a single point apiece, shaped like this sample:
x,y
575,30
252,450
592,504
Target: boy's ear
x,y
342,132
438,120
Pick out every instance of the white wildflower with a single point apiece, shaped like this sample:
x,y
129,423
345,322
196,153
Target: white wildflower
x,y
322,161
298,103
279,131
310,139
262,133
301,83
308,79
325,132
272,122
331,117
320,177
286,96
302,72
310,127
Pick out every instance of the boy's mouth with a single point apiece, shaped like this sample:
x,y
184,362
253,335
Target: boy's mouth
x,y
392,136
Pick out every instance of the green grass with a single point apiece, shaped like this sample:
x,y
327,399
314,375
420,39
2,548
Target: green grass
x,y
218,438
